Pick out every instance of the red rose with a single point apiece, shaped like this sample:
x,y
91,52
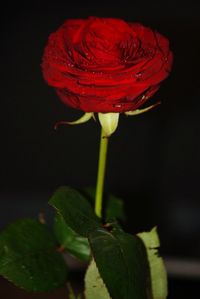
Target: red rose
x,y
105,64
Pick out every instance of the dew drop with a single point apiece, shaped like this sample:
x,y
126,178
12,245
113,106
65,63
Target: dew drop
x,y
134,45
138,75
165,58
143,97
70,64
117,105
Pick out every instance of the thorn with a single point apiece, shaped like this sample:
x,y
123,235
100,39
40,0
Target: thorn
x,y
108,227
41,218
61,248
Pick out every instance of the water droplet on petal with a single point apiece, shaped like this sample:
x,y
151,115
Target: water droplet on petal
x,y
138,75
117,105
165,58
143,97
70,64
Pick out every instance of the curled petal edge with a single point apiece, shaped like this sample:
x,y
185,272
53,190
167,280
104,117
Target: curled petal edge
x,y
140,111
83,119
109,122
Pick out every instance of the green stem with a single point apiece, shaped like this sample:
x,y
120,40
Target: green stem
x,y
101,173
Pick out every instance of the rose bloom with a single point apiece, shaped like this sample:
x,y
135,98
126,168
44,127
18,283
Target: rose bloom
x,y
105,64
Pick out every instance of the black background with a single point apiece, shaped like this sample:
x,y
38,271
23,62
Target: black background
x,y
153,159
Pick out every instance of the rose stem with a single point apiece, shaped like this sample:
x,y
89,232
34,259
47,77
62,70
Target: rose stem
x,y
101,173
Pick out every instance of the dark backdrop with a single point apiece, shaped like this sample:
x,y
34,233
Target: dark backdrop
x,y
153,159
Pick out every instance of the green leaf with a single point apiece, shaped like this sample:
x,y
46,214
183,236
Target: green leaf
x,y
122,263
71,241
28,257
157,268
75,210
94,285
114,208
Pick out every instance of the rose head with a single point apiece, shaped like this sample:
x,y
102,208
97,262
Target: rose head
x,y
105,65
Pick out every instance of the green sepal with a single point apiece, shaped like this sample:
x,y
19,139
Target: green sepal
x,y
109,122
